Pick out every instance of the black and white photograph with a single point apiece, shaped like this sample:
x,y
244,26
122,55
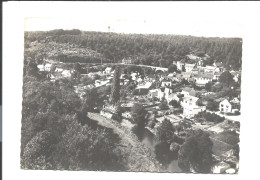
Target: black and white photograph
x,y
131,91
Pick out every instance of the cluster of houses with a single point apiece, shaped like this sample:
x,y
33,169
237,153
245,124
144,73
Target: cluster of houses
x,y
161,89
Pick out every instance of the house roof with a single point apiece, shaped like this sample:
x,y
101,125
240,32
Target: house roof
x,y
193,57
204,75
108,68
188,89
186,74
217,73
225,101
153,90
191,91
210,67
218,64
189,65
147,85
190,98
172,95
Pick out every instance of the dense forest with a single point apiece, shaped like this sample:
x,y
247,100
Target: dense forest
x,y
155,50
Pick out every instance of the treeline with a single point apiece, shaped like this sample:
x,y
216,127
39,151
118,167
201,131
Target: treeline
x,y
155,50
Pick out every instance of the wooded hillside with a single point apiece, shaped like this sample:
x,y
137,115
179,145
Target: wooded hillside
x,y
156,50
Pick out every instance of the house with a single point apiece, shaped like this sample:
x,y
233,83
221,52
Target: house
x,y
189,67
225,106
216,75
134,76
220,167
166,83
217,64
58,69
44,67
195,71
167,92
153,93
172,96
211,69
171,75
139,80
161,93
66,73
186,75
108,70
187,91
180,65
236,75
193,57
235,101
144,87
126,81
190,107
201,79
99,83
127,61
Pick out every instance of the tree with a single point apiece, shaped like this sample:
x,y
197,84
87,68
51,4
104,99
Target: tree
x,y
38,150
163,153
165,131
31,68
172,68
196,153
183,68
164,105
91,99
139,114
118,111
226,78
208,86
115,89
83,148
174,103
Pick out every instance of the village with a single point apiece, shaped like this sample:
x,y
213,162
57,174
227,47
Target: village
x,y
189,93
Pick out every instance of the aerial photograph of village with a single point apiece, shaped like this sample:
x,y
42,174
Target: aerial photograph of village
x,y
105,101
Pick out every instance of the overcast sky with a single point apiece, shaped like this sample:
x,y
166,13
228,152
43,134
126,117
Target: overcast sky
x,y
186,18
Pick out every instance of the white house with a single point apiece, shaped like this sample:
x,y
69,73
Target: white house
x,y
189,67
190,107
201,79
225,106
161,93
172,96
66,73
99,83
210,69
153,93
166,83
187,91
46,67
146,85
186,75
139,80
167,92
108,70
58,70
134,76
179,65
235,100
216,75
193,57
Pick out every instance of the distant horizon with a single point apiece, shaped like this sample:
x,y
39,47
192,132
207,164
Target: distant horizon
x,y
124,33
